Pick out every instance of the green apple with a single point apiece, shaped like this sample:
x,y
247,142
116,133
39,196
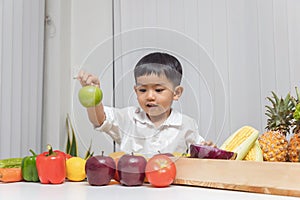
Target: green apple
x,y
90,96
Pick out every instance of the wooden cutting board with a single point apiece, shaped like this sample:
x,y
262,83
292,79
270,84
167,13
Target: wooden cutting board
x,y
278,178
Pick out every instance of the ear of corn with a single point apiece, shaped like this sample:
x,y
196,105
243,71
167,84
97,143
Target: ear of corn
x,y
255,153
241,141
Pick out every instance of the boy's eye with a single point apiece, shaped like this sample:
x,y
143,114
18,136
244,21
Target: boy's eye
x,y
142,90
159,90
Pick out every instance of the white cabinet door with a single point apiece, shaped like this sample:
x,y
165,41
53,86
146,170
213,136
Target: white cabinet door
x,y
21,76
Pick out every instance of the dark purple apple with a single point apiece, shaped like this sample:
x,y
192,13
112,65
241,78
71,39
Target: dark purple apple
x,y
131,170
100,170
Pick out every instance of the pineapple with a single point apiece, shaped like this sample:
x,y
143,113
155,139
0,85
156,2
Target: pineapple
x,y
294,144
280,119
274,146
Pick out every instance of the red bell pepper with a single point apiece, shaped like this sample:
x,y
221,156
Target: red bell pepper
x,y
51,166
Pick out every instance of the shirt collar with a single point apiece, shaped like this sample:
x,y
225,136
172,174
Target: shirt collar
x,y
175,118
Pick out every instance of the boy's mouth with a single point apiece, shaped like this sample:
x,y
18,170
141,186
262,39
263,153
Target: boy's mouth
x,y
151,105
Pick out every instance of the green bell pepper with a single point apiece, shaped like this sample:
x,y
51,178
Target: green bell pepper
x,y
29,170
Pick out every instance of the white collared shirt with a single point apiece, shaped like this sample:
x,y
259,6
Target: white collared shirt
x,y
134,132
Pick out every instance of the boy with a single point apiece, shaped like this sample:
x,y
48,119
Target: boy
x,y
154,126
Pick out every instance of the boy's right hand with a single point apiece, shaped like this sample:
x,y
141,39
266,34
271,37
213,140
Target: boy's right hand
x,y
86,78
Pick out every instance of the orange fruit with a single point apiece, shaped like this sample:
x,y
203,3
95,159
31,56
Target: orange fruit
x,y
116,156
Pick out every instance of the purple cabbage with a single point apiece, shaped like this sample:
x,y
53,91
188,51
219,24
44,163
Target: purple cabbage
x,y
209,152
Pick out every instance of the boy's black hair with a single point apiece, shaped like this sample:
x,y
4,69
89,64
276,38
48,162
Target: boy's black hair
x,y
159,63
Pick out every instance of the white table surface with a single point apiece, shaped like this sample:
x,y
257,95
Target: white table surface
x,y
82,191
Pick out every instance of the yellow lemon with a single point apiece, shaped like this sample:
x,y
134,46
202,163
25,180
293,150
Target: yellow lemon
x,y
76,169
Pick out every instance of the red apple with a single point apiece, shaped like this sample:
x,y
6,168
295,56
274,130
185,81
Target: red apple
x,y
131,170
100,170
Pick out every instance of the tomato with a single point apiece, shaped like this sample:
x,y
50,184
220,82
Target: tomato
x,y
160,171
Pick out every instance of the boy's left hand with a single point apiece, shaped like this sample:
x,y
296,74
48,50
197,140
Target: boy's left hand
x,y
208,143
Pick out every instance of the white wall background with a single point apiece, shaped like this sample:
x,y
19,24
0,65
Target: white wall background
x,y
252,49
76,28
234,52
91,50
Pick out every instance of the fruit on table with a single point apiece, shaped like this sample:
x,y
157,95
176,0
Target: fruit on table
x,y
90,96
294,144
209,152
280,115
131,169
75,167
116,156
11,162
51,166
241,141
29,170
9,175
160,170
255,153
274,146
100,170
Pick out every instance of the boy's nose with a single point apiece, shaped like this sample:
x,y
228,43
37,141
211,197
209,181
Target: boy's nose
x,y
150,95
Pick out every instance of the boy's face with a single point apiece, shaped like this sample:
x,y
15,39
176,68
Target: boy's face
x,y
155,95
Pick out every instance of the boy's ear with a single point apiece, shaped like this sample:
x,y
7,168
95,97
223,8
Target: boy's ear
x,y
178,92
135,89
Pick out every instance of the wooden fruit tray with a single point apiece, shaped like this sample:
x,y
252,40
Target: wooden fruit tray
x,y
278,178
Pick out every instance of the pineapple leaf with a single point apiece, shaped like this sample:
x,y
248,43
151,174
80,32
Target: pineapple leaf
x,y
272,101
298,94
280,113
270,110
287,99
268,114
275,97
